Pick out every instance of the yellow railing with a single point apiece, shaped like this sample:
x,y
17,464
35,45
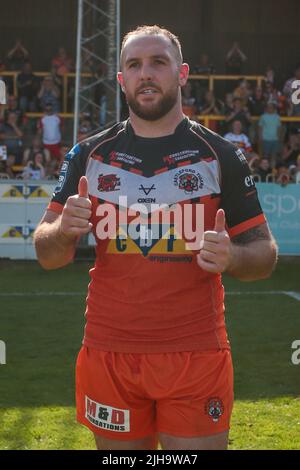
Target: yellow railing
x,y
200,117
214,117
212,78
65,78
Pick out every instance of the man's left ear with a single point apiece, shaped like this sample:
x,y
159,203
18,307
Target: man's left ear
x,y
183,74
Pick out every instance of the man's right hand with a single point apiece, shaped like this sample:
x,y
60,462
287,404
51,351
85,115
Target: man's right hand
x,y
77,212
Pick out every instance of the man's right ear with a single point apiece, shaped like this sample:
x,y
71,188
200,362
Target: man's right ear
x,y
120,80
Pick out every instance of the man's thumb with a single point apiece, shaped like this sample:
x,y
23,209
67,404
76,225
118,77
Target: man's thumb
x,y
83,190
220,221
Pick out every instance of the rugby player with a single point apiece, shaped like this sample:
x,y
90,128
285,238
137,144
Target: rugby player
x,y
155,364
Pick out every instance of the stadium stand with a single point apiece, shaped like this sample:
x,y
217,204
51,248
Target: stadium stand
x,y
269,120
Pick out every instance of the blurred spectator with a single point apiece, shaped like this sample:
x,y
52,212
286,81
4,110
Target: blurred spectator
x,y
263,169
35,168
27,84
12,106
85,127
270,75
235,59
11,136
291,150
211,105
297,171
205,67
238,138
188,100
269,126
50,127
17,56
271,94
239,113
57,79
228,105
283,176
256,102
49,93
87,62
36,147
62,63
242,91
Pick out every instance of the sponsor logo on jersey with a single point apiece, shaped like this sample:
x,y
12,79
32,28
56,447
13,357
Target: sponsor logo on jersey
x,y
146,200
176,157
249,181
214,408
108,183
107,417
149,239
147,190
170,229
123,157
188,180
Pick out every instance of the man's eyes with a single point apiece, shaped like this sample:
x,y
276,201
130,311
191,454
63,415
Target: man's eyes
x,y
137,64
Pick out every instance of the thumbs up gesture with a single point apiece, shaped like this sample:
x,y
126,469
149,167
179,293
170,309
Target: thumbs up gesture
x,y
215,252
77,212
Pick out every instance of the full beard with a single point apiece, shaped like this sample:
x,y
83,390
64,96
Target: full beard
x,y
155,111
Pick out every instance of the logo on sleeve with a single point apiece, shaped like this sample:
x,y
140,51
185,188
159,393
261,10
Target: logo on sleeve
x,y
107,417
74,151
62,176
240,156
249,181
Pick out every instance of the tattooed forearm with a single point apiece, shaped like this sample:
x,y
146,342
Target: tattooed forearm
x,y
261,232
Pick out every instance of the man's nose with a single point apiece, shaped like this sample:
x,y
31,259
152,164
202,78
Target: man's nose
x,y
146,71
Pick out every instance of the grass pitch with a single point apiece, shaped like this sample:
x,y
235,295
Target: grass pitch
x,y
43,335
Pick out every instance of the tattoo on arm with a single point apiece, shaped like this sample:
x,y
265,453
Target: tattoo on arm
x,y
261,232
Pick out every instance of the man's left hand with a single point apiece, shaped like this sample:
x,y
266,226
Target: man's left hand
x,y
216,251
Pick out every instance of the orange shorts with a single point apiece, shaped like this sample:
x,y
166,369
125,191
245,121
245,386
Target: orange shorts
x,y
127,396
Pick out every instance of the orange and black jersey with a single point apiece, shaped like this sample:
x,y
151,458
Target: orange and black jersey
x,y
147,292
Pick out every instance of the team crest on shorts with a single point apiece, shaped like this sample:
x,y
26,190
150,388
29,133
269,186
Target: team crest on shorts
x,y
109,182
214,407
188,180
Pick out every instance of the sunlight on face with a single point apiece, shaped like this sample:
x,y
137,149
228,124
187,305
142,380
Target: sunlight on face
x,y
150,76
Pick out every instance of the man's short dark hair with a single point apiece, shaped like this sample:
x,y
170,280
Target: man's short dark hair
x,y
155,30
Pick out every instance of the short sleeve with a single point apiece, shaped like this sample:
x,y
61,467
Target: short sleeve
x,y
238,192
73,167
